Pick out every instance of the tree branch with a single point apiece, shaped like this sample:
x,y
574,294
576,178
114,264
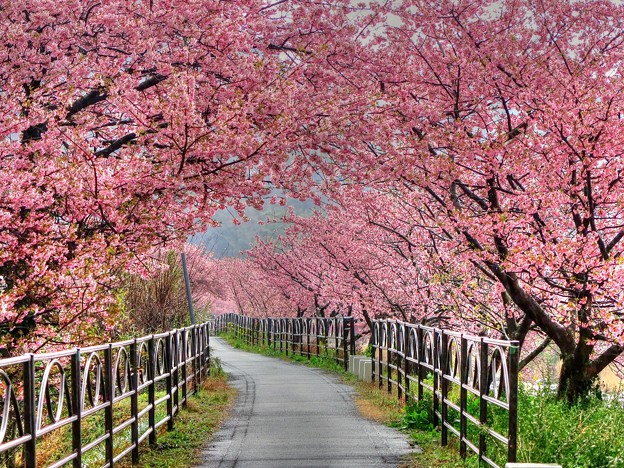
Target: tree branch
x,y
92,97
533,354
606,358
117,144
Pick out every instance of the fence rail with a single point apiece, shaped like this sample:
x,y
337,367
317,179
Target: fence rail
x,y
331,337
471,381
125,391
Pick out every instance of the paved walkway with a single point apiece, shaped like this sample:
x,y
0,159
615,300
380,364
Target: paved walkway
x,y
289,415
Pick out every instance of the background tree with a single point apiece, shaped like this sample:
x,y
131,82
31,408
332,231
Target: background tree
x,y
158,302
244,288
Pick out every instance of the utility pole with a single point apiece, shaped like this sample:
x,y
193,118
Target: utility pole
x,y
187,285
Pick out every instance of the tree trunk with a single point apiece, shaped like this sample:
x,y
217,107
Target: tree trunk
x,y
577,377
579,373
574,382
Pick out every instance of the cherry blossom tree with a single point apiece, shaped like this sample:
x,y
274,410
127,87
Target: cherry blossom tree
x,y
248,289
361,258
507,134
498,127
126,125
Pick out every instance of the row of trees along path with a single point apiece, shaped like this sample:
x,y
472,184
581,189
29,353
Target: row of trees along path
x,y
470,152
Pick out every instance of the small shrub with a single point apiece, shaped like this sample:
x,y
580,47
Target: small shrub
x,y
216,367
418,415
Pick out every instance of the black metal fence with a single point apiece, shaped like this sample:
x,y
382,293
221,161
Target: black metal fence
x,y
106,399
472,382
332,337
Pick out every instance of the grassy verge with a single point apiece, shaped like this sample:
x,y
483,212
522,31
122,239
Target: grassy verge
x,y
587,435
193,428
377,404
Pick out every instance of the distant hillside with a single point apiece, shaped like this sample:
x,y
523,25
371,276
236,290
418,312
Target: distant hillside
x,y
230,239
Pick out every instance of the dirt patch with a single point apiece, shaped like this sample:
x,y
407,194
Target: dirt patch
x,y
376,404
370,410
217,385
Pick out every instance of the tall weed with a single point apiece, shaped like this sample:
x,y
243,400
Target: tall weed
x,y
589,434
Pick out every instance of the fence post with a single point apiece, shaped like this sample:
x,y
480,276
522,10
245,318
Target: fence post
x,y
199,352
512,433
399,363
483,390
195,358
436,381
256,331
269,328
336,338
206,350
185,359
406,362
108,411
281,335
134,401
205,343
463,397
419,361
389,341
444,386
151,389
176,372
30,447
169,380
373,346
345,336
328,331
76,407
380,350
308,322
289,334
318,347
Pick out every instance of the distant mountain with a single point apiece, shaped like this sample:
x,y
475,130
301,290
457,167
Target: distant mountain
x,y
230,239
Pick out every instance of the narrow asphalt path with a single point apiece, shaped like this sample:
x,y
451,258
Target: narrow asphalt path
x,y
288,415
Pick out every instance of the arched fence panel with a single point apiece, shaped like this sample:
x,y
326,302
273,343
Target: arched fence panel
x,y
469,380
123,392
330,337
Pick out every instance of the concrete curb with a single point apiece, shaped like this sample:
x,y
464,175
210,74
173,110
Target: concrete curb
x,y
362,367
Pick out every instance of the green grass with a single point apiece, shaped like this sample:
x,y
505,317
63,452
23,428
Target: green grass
x,y
193,428
322,361
587,435
377,404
